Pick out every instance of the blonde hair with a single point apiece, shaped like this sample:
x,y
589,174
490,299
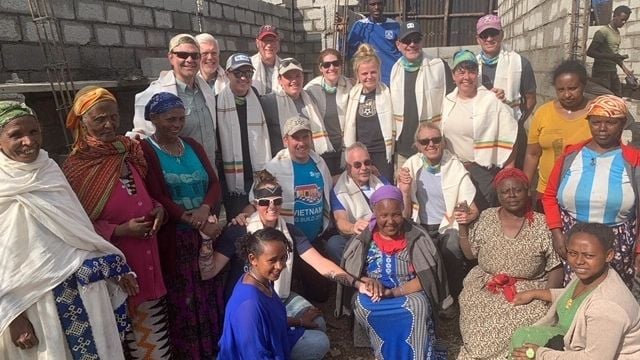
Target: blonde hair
x,y
365,54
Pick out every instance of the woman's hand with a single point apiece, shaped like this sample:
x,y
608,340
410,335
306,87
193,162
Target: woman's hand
x,y
129,284
22,333
559,242
374,287
523,298
200,216
521,352
306,320
139,227
240,219
404,180
158,218
212,229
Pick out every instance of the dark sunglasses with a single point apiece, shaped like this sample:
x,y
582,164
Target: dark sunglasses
x,y
411,39
266,202
426,141
239,73
288,61
327,64
489,33
358,164
185,55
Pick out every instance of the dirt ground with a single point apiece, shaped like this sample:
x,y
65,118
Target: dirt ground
x,y
341,336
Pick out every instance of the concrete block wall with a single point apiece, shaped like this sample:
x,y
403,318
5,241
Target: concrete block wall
x,y
107,39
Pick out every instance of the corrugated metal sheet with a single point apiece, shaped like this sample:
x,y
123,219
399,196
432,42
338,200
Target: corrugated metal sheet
x,y
462,31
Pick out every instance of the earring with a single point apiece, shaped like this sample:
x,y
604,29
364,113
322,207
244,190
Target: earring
x,y
246,268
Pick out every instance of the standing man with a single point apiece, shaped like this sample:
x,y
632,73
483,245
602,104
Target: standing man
x,y
604,51
210,69
242,134
182,80
381,33
350,199
418,86
266,61
509,75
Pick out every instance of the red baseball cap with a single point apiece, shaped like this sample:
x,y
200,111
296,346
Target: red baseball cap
x,y
266,30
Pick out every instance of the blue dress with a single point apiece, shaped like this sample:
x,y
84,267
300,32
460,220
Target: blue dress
x,y
255,326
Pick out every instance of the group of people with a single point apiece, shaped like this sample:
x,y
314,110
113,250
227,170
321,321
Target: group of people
x,y
391,185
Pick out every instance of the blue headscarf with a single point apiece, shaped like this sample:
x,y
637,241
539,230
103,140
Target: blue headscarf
x,y
161,103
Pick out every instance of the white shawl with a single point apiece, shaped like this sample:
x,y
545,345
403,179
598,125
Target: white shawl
x,y
281,167
456,186
45,234
508,76
494,127
430,90
287,109
221,80
260,75
166,82
352,198
314,87
230,143
385,117
283,284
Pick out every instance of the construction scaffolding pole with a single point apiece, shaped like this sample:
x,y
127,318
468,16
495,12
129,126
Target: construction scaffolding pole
x,y
56,65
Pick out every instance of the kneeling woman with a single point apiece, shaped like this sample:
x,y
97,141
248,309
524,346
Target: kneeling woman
x,y
256,325
409,284
594,317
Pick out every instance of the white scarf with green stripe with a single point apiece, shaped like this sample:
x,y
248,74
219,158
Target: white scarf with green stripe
x,y
230,138
508,75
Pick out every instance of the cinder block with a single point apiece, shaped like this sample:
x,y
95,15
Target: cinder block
x,y
76,33
9,28
233,29
188,6
314,14
181,21
156,38
141,16
172,4
22,57
230,44
240,15
133,37
134,2
122,58
228,13
246,30
63,9
215,10
250,17
163,19
21,6
117,14
90,10
152,66
108,35
95,57
72,53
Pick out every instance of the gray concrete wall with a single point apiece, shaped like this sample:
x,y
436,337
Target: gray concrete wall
x,y
107,39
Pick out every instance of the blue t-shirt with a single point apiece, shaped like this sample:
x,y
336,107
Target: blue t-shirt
x,y
309,199
382,36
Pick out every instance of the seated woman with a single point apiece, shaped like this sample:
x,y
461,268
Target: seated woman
x,y
59,297
268,201
514,253
256,325
107,173
594,317
182,179
409,282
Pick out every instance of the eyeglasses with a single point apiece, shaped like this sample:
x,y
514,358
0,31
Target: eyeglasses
x,y
239,73
358,164
288,61
327,64
489,33
411,39
426,141
185,55
268,201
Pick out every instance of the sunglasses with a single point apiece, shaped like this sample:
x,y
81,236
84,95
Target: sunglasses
x,y
185,55
288,61
239,73
489,33
267,202
327,64
358,164
411,40
426,141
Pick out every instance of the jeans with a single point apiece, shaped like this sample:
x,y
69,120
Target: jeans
x,y
448,244
335,247
314,343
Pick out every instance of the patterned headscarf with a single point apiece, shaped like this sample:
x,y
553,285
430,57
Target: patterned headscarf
x,y
519,176
10,110
609,106
161,103
85,99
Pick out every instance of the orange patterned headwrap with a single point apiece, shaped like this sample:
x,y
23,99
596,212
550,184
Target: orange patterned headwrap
x,y
609,106
85,99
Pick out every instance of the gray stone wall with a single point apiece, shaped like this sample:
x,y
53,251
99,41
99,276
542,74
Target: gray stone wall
x,y
107,39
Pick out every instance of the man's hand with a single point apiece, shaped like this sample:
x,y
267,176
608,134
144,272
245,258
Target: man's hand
x,y
499,94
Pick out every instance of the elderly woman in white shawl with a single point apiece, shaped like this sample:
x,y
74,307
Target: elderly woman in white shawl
x,y
438,194
330,91
59,278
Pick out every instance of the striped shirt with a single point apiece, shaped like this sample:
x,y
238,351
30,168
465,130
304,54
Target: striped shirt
x,y
597,188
